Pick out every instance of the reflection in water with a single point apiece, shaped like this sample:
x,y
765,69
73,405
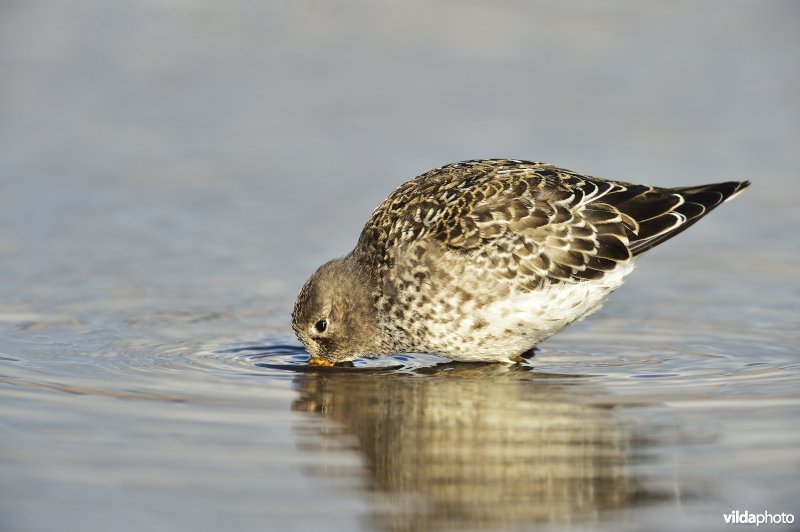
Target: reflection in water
x,y
467,445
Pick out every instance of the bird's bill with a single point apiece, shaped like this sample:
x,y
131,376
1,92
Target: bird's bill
x,y
316,361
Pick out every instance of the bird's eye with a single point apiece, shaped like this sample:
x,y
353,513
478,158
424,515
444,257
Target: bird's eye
x,y
321,326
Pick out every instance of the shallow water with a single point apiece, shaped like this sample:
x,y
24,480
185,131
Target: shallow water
x,y
171,174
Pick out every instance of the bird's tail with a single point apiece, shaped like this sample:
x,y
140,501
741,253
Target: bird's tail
x,y
663,213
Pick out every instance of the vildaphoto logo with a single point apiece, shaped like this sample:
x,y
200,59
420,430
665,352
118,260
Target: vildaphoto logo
x,y
737,517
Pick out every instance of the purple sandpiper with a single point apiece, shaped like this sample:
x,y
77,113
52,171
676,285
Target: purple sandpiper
x,y
482,260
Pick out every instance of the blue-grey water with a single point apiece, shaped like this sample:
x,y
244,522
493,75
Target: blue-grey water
x,y
171,172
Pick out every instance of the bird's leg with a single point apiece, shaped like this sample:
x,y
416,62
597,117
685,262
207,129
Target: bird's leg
x,y
525,355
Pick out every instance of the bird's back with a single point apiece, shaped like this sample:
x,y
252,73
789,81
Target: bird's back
x,y
560,224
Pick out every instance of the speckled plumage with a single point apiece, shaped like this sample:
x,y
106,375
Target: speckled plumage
x,y
482,260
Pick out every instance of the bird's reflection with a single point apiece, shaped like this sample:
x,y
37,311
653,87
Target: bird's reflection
x,y
465,445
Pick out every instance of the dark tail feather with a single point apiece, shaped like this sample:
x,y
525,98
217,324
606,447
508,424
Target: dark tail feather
x,y
663,213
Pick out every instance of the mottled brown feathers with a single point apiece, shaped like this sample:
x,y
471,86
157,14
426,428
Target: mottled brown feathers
x,y
482,260
536,222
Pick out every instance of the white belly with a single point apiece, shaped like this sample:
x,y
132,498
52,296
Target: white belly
x,y
517,324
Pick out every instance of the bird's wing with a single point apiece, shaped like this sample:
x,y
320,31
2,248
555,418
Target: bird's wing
x,y
535,223
546,225
530,222
664,213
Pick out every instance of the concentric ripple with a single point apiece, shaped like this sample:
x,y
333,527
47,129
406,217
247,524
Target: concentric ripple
x,y
281,357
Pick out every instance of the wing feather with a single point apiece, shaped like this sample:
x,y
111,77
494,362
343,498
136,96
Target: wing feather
x,y
533,223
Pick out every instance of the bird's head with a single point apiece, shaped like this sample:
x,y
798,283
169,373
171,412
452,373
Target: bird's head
x,y
335,315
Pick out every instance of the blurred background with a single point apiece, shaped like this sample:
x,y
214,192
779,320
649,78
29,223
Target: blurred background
x,y
171,171
213,132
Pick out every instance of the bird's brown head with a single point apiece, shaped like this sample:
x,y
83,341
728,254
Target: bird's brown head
x,y
335,316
